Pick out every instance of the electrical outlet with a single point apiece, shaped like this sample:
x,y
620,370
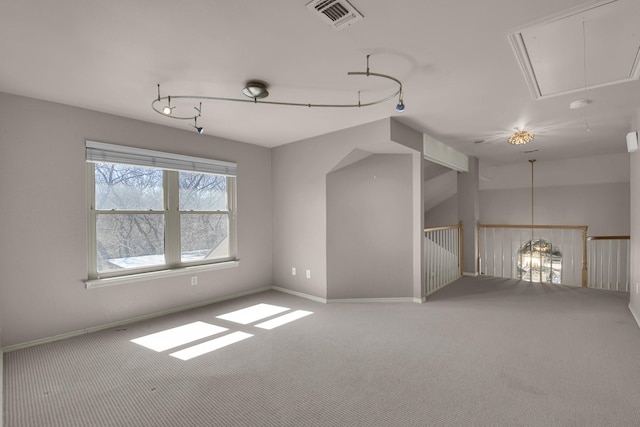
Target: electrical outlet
x,y
308,274
293,271
194,280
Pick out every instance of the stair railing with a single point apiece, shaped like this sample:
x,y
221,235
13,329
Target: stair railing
x,y
609,262
443,256
498,246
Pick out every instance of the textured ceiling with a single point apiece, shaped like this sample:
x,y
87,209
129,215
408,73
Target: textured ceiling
x,y
462,81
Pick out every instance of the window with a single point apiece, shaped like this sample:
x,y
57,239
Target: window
x,y
539,261
152,211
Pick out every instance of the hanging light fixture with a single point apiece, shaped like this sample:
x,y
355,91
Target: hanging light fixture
x,y
534,246
539,260
256,92
530,255
532,161
521,137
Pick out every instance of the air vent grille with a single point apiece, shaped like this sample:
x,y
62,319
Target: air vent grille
x,y
337,13
333,11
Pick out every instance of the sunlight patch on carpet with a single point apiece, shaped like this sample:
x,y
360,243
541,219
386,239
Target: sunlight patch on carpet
x,y
252,314
283,320
174,337
209,346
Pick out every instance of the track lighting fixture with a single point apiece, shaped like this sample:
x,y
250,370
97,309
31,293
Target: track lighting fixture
x,y
200,129
256,91
400,106
167,109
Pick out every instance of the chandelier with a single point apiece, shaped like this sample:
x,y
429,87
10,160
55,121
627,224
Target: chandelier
x,y
520,137
256,92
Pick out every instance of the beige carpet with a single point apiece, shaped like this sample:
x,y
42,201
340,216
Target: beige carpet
x,y
480,352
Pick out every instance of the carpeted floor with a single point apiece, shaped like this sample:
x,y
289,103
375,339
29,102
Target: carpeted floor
x,y
480,352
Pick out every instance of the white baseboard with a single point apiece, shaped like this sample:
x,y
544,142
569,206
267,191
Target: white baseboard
x,y
1,388
299,294
370,300
71,334
130,320
470,274
635,315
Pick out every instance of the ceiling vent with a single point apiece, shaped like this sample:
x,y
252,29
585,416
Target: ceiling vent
x,y
337,13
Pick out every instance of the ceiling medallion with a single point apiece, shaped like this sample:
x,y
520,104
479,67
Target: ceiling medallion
x,y
520,137
255,92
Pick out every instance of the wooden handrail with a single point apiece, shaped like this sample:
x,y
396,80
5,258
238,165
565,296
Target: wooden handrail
x,y
553,227
609,238
444,227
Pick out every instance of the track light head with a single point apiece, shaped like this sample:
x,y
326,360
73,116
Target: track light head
x,y
167,108
200,129
400,106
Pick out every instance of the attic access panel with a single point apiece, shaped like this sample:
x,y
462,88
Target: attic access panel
x,y
599,42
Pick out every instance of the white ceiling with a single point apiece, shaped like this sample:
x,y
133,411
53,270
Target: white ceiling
x,y
591,46
462,81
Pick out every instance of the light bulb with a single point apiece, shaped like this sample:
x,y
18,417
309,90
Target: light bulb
x,y
400,107
167,110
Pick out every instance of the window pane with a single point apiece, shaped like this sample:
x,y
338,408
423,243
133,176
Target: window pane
x,y
129,241
123,187
539,261
204,236
202,192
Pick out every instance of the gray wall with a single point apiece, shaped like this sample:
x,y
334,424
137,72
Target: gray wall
x,y
440,195
602,207
299,186
299,203
369,235
446,213
44,215
610,168
469,214
592,191
634,301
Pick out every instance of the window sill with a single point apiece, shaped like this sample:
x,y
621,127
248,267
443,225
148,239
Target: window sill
x,y
132,278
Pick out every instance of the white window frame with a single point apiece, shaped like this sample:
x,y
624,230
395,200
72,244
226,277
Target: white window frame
x,y
171,164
